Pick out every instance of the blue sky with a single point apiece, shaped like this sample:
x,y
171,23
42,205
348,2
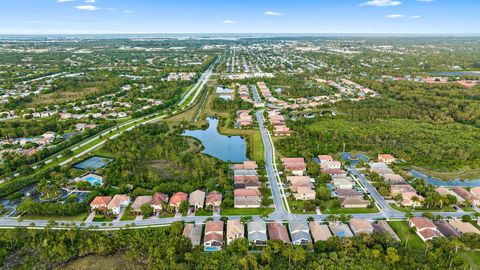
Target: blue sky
x,y
238,16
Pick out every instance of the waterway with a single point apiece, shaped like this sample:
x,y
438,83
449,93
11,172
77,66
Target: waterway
x,y
226,148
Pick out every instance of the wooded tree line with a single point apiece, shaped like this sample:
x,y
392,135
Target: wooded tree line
x,y
165,248
155,156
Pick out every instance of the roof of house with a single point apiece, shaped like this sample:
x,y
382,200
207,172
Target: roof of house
x,y
141,200
446,228
293,161
197,197
383,227
213,226
244,172
360,226
300,181
246,193
429,233
353,201
278,231
342,181
333,171
234,228
295,167
194,232
475,191
348,193
320,232
117,200
385,156
101,200
214,196
305,190
247,201
300,235
178,197
159,198
391,177
395,189
257,230
422,223
325,158
464,193
463,227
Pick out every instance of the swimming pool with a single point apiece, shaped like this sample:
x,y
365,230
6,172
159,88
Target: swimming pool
x,y
94,181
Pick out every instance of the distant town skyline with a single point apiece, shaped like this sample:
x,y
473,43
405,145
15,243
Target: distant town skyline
x,y
246,16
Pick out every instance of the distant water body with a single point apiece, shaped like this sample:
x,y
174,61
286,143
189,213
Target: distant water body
x,y
448,183
226,148
454,73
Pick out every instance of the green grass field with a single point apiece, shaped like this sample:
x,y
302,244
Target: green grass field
x,y
246,211
406,234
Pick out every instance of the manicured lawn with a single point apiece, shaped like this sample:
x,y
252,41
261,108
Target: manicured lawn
x,y
127,217
246,211
100,218
406,234
446,208
472,257
297,207
80,217
351,210
203,212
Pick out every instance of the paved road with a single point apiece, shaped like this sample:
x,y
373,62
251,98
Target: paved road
x,y
256,96
280,210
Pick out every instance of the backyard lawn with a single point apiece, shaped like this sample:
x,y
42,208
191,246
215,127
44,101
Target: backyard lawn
x,y
246,211
406,234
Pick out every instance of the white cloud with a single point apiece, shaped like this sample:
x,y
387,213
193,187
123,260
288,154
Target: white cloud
x,y
272,13
87,7
90,1
395,16
229,22
415,17
128,11
381,3
64,1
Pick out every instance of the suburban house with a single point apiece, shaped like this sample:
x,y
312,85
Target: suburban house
x,y
425,228
235,230
386,158
325,158
466,195
214,199
246,165
139,201
408,199
393,178
334,172
382,226
158,200
331,164
300,232
463,227
445,192
100,202
340,229
213,239
246,182
194,232
177,199
304,194
354,203
299,181
348,193
247,198
197,199
446,228
296,166
398,189
278,231
380,168
360,226
320,232
257,232
475,191
244,172
340,182
118,203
